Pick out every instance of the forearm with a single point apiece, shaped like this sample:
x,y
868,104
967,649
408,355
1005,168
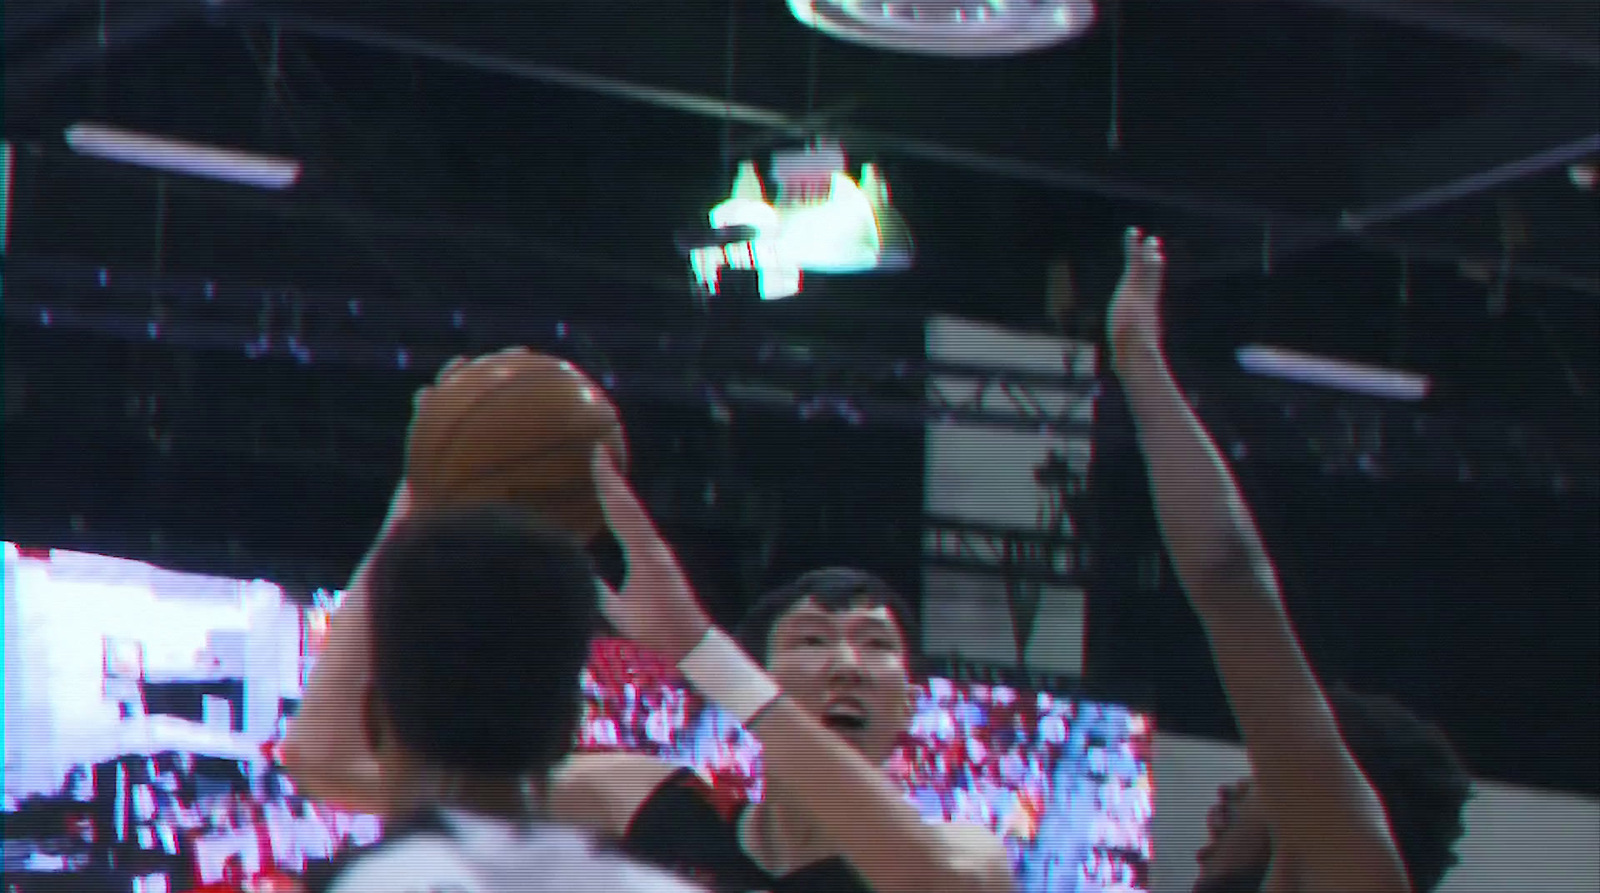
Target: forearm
x,y
1204,520
1321,807
880,834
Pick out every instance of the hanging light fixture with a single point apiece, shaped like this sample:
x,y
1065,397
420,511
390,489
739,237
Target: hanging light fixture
x,y
821,222
949,27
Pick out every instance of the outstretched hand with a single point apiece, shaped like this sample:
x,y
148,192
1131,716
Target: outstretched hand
x,y
1135,315
655,607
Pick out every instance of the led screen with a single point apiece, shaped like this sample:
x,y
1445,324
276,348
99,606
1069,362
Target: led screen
x,y
143,706
1065,782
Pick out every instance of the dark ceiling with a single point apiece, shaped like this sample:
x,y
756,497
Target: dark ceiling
x,y
1383,181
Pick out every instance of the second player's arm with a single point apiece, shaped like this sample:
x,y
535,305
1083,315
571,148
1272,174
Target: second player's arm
x,y
1325,815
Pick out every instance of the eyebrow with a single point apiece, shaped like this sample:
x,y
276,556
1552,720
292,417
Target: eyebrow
x,y
879,624
812,618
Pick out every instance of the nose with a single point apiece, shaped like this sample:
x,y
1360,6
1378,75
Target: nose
x,y
845,661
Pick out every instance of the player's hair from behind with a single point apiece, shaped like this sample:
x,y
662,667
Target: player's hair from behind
x,y
481,622
833,589
1420,780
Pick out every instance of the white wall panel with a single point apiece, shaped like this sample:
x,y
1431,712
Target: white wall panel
x,y
985,475
965,613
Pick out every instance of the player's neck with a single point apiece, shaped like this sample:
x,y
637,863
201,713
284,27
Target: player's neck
x,y
415,788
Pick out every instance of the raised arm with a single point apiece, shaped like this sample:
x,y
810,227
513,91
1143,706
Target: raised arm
x,y
1326,817
326,751
880,835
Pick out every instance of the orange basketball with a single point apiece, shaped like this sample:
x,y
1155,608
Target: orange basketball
x,y
514,427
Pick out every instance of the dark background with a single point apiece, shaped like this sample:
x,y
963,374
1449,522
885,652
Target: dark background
x,y
477,174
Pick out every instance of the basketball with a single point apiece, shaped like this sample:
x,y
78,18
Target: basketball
x,y
514,427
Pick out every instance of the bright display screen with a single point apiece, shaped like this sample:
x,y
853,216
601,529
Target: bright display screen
x,y
143,706
1065,782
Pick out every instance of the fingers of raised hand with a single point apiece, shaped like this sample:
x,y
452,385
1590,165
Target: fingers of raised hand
x,y
1142,248
451,368
624,514
448,369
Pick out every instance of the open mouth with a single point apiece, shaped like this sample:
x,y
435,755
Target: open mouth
x,y
845,715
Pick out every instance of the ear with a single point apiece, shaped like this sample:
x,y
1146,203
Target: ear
x,y
372,723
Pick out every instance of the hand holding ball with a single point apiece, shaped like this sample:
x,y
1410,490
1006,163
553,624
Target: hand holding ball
x,y
514,427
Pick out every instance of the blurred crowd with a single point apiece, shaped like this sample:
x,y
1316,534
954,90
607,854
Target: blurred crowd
x,y
172,822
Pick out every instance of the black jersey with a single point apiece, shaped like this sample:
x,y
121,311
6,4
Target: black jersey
x,y
687,828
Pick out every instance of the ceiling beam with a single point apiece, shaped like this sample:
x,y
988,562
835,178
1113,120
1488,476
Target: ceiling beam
x,y
1502,23
1294,231
1358,225
146,22
1550,159
720,109
25,20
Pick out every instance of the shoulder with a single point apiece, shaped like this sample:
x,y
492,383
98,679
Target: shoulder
x,y
423,864
602,791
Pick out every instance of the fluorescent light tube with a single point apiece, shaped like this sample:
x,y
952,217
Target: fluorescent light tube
x,y
1276,362
179,157
5,196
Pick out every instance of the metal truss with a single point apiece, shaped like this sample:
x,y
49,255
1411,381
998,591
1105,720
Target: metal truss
x,y
738,370
1035,556
772,374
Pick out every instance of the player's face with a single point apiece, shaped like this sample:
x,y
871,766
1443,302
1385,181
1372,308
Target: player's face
x,y
1240,847
848,668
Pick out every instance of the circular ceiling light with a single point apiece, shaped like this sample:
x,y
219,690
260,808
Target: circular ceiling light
x,y
949,27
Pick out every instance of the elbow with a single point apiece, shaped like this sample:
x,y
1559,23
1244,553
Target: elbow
x,y
302,762
918,871
963,870
958,858
967,878
349,784
292,754
301,769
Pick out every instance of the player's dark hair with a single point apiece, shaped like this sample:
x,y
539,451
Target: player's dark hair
x,y
832,589
1419,778
481,623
